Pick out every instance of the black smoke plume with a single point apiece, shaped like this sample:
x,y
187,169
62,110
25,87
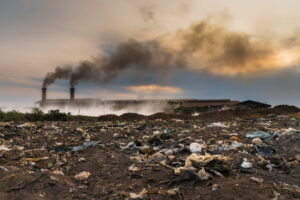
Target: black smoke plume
x,y
59,73
130,54
202,47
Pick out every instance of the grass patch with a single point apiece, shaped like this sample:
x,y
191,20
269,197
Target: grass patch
x,y
38,115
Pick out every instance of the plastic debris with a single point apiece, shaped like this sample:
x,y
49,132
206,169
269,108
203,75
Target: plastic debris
x,y
4,148
58,172
246,164
195,147
3,168
235,138
85,145
297,157
260,134
264,150
82,176
257,180
160,156
218,124
276,195
130,145
214,187
82,159
139,195
133,168
200,161
26,125
203,175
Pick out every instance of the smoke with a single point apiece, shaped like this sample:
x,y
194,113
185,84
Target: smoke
x,y
131,54
59,73
147,13
215,49
94,109
204,46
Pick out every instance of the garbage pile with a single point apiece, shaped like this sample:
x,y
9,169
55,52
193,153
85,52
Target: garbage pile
x,y
168,158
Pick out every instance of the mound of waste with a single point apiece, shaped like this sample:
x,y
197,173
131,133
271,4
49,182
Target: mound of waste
x,y
156,157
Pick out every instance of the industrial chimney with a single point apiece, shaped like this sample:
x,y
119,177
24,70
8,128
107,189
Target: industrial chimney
x,y
44,94
72,94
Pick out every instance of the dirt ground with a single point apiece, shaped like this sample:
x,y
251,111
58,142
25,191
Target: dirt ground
x,y
221,155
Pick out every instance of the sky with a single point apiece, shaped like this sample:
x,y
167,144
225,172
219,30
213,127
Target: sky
x,y
220,49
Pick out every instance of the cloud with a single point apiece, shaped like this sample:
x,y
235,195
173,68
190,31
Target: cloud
x,y
148,89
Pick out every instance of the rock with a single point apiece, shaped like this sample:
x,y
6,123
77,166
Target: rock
x,y
82,176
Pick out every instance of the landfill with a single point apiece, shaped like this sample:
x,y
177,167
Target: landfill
x,y
211,156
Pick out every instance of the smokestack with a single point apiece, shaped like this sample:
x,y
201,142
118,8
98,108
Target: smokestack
x,y
44,94
72,93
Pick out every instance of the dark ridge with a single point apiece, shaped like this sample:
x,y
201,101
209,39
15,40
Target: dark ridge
x,y
160,115
131,116
110,117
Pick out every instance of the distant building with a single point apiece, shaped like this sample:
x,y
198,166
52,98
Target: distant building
x,y
186,106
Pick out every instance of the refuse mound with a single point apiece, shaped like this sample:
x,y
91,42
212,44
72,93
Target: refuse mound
x,y
108,118
222,115
162,159
131,116
285,109
160,115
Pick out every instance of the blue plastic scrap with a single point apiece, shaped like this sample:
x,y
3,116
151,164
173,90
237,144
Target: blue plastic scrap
x,y
85,145
260,134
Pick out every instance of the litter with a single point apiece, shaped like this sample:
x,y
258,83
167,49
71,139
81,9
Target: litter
x,y
246,164
218,124
82,176
264,150
260,134
4,148
195,147
133,168
85,145
203,175
257,141
258,180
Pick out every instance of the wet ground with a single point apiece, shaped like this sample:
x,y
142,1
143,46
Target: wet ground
x,y
206,157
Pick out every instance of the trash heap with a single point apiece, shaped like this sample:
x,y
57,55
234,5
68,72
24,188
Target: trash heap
x,y
249,158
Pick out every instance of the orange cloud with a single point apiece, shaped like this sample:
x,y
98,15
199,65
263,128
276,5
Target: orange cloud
x,y
146,89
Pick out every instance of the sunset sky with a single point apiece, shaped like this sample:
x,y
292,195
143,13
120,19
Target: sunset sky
x,y
39,35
